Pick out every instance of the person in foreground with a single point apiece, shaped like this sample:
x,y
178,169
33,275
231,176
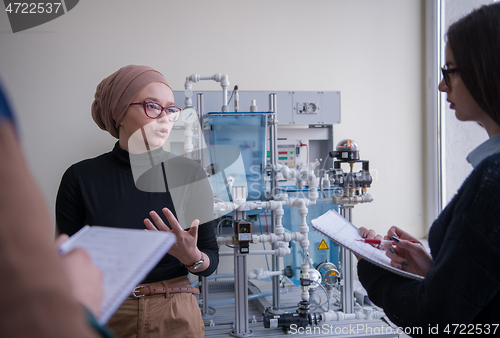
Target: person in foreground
x,y
45,295
460,293
138,179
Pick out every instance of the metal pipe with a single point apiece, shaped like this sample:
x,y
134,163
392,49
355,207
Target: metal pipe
x,y
273,148
199,108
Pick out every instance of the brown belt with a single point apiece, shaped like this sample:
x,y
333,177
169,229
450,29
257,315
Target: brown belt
x,y
175,285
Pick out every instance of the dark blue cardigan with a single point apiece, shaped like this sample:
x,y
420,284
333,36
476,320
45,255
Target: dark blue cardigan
x,y
463,287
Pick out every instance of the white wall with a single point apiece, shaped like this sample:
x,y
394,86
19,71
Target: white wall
x,y
370,50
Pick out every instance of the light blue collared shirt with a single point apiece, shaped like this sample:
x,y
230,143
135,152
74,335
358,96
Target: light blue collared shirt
x,y
487,148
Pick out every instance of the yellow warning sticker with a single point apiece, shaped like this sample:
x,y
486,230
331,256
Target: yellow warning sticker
x,y
323,245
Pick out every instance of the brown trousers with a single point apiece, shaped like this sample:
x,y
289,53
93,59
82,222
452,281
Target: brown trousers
x,y
172,315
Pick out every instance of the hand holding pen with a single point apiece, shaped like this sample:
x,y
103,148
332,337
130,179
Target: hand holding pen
x,y
405,251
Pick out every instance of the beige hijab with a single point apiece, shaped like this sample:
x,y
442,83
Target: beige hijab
x,y
116,92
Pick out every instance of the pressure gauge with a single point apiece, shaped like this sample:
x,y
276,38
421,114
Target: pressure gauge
x,y
189,115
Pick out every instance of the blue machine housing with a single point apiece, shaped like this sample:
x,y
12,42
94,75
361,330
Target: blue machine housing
x,y
248,133
291,222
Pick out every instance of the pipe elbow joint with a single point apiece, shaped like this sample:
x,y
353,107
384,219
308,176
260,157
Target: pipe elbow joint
x,y
193,78
224,81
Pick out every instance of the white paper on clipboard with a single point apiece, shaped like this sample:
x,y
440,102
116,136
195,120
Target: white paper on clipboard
x,y
343,232
125,257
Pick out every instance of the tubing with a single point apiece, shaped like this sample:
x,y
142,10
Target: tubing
x,y
365,314
279,235
280,252
218,77
188,138
340,200
304,173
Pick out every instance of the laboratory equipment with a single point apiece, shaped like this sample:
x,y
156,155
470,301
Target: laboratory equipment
x,y
287,174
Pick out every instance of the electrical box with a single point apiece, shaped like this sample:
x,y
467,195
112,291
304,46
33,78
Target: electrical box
x,y
244,233
293,107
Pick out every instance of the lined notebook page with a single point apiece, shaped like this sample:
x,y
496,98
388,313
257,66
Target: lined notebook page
x,y
341,231
125,256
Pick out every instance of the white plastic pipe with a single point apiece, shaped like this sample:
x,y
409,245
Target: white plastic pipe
x,y
188,138
305,275
338,316
279,235
301,204
257,205
339,200
218,77
259,273
224,240
280,252
273,238
303,173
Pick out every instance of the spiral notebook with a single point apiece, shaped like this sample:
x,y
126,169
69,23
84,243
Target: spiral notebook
x,y
125,256
343,232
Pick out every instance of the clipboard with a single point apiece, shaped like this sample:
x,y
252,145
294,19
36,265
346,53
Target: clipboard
x,y
125,256
341,231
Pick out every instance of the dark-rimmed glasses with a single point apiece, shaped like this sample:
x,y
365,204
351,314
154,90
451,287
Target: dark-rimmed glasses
x,y
446,74
153,110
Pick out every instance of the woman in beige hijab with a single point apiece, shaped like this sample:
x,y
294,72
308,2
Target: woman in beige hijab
x,y
126,186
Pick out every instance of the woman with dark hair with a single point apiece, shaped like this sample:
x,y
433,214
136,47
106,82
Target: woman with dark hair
x,y
461,289
138,179
474,43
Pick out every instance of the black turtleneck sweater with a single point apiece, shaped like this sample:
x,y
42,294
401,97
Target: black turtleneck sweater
x,y
109,191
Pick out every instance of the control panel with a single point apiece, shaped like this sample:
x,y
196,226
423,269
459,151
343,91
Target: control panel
x,y
286,154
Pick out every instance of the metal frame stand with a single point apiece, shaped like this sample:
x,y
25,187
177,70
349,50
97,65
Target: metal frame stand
x,y
346,268
204,297
241,327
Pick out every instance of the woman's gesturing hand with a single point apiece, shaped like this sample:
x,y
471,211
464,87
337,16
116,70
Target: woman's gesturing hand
x,y
184,249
